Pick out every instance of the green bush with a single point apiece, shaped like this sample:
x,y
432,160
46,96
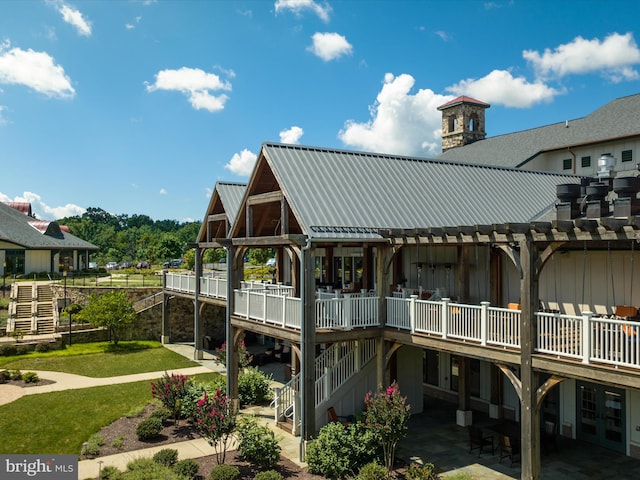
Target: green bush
x,y
373,471
224,472
164,414
268,475
257,443
254,387
194,392
30,377
14,374
111,473
4,376
8,350
167,457
188,468
146,469
149,428
421,472
23,349
330,454
118,442
42,347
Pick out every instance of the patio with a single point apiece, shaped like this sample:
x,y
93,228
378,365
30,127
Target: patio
x,y
435,438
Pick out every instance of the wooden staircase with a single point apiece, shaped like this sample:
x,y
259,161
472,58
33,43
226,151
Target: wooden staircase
x,y
32,309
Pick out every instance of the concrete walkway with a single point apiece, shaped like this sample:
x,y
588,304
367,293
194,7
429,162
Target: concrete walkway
x,y
189,449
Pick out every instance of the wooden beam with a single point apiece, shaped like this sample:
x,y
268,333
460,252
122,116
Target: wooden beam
x,y
261,198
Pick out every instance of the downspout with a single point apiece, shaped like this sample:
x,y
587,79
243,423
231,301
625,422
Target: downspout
x,y
307,349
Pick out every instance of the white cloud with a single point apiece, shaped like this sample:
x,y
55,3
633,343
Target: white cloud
x,y
131,26
196,84
242,163
444,36
298,6
291,135
163,191
3,120
43,211
36,70
500,87
329,46
75,18
208,192
613,56
400,122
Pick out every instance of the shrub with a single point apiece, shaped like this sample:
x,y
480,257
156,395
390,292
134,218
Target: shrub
x,y
268,475
421,472
118,442
194,392
254,387
330,454
188,468
15,374
23,349
30,377
111,473
149,428
42,347
170,390
90,448
97,439
4,376
244,357
167,457
162,413
257,443
373,471
8,350
224,472
146,469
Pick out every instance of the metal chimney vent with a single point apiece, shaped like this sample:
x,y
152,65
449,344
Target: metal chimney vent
x,y
605,167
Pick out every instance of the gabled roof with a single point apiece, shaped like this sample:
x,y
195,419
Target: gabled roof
x,y
341,194
226,198
25,231
617,119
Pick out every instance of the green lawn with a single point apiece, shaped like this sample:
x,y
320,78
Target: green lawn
x,y
59,422
100,359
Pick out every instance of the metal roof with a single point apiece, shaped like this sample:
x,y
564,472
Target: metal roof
x,y
231,195
616,119
27,232
341,194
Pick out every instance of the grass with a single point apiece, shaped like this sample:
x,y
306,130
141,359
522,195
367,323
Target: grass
x,y
101,359
59,422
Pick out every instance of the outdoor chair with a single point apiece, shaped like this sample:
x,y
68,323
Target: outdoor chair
x,y
335,418
479,440
509,448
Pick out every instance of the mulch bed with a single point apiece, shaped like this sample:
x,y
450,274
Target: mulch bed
x,y
125,429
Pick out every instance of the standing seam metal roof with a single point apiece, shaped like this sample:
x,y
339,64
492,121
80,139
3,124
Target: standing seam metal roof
x,y
341,194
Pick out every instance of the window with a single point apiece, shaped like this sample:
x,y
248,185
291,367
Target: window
x,y
453,123
627,155
586,161
566,164
15,262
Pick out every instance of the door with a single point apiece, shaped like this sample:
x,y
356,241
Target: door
x,y
601,417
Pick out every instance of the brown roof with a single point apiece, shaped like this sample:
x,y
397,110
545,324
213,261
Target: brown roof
x,y
24,207
463,99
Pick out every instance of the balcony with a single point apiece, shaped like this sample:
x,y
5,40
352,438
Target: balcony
x,y
587,338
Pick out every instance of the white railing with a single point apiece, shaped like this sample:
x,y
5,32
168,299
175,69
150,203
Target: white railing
x,y
273,288
347,312
215,287
333,368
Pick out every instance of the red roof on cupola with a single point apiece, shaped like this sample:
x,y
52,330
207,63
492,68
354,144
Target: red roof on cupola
x,y
463,99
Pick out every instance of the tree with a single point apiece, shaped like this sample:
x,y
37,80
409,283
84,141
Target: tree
x,y
386,415
111,310
216,421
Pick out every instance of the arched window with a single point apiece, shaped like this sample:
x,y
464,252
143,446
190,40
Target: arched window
x,y
473,123
453,123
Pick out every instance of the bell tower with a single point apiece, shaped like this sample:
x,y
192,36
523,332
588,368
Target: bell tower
x,y
462,122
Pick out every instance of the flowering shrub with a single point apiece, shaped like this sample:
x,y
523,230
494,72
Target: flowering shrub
x,y
257,443
244,357
215,419
170,390
386,415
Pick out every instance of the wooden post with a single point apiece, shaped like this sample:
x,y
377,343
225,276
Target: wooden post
x,y
308,346
197,322
529,421
233,282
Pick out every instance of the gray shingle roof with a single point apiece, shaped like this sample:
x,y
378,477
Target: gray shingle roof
x,y
19,229
616,119
340,194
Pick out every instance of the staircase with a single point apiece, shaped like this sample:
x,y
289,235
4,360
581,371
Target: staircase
x,y
31,309
334,367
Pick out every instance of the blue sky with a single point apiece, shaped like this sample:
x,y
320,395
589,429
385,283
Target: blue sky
x,y
139,107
